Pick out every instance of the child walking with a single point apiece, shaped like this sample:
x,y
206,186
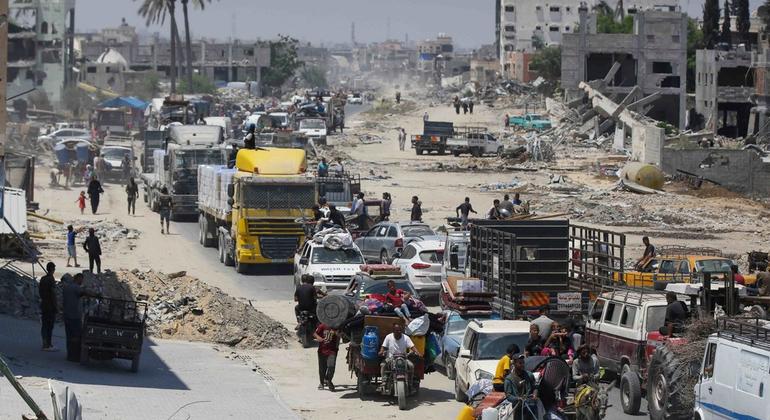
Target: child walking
x,y
81,201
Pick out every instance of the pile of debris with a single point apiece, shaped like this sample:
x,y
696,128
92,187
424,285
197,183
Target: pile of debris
x,y
19,295
184,308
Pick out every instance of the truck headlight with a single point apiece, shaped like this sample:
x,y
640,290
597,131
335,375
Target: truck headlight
x,y
483,374
247,246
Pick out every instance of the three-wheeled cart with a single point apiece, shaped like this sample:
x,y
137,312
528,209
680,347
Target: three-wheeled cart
x,y
113,329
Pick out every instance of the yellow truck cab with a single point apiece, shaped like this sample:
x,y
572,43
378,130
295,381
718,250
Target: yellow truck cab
x,y
268,194
678,265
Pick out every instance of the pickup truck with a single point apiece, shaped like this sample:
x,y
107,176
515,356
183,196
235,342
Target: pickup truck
x,y
433,138
531,122
475,143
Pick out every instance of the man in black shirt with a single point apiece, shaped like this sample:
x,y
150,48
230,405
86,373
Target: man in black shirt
x,y
649,253
464,210
305,295
676,315
336,216
416,215
48,309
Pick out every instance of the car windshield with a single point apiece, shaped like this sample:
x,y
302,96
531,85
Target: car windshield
x,y
433,257
713,266
413,231
381,287
656,316
536,116
336,256
312,124
490,346
115,153
457,325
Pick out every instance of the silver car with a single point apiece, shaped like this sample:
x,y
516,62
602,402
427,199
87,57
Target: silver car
x,y
387,239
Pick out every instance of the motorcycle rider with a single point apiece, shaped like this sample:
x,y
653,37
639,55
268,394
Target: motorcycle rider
x,y
395,343
306,296
520,388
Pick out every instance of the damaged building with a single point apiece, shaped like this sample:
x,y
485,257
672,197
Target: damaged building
x,y
724,86
40,47
650,60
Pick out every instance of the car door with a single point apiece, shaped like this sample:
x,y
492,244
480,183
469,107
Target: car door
x,y
715,389
405,259
464,357
367,242
594,324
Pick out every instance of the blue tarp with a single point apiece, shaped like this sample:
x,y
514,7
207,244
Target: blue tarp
x,y
124,101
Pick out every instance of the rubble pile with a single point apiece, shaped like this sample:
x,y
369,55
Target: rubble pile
x,y
19,295
184,308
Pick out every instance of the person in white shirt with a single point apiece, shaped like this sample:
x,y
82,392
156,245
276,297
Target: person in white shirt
x,y
395,343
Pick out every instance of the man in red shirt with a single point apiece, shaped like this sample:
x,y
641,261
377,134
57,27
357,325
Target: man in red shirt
x,y
328,344
398,298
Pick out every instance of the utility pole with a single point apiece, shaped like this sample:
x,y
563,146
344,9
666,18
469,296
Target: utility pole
x,y
3,83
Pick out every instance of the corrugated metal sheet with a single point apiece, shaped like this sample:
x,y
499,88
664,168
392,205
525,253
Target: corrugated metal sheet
x,y
15,209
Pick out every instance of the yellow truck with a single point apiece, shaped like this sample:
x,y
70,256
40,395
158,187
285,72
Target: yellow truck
x,y
252,213
677,264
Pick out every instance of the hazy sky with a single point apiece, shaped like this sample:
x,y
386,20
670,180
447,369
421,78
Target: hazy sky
x,y
470,22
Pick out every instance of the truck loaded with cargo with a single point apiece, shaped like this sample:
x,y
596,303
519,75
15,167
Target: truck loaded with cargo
x,y
252,212
433,138
476,141
176,166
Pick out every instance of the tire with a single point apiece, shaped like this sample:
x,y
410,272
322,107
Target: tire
x,y
441,151
303,337
450,368
630,393
400,390
475,152
459,394
500,151
361,384
201,229
228,258
84,360
209,239
135,364
624,367
669,387
456,153
221,247
384,259
241,268
419,152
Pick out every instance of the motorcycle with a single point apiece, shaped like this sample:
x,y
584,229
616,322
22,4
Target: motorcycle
x,y
307,325
401,382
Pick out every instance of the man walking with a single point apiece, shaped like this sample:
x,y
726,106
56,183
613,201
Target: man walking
x,y
328,345
47,292
359,209
94,250
73,324
464,210
71,248
94,190
132,191
416,215
401,139
164,208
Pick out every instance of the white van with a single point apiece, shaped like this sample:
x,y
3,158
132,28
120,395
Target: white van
x,y
336,266
735,374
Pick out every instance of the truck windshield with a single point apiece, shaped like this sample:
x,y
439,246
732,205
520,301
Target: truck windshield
x,y
190,159
713,266
336,256
535,117
312,124
115,153
270,196
111,117
491,346
656,316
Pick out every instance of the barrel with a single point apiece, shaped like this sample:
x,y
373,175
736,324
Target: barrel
x,y
62,154
83,152
649,176
466,413
334,310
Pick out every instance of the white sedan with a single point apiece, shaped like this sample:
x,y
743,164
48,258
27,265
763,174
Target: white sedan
x,y
421,261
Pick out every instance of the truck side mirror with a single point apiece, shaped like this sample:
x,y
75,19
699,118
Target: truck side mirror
x,y
165,163
230,202
231,190
464,354
303,261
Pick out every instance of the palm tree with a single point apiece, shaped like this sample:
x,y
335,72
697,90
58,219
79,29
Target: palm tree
x,y
154,11
603,8
188,42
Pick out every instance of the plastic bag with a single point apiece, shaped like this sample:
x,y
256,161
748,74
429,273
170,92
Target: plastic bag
x,y
432,348
418,326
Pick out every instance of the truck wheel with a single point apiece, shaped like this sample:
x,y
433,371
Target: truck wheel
x,y
135,364
227,253
419,151
241,268
476,152
441,151
208,237
450,368
670,389
201,229
361,384
456,153
630,393
459,394
384,259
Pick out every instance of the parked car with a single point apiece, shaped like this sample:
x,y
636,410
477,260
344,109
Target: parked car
x,y
335,266
455,254
451,337
113,155
484,342
363,284
383,241
64,133
531,121
314,128
421,261
355,99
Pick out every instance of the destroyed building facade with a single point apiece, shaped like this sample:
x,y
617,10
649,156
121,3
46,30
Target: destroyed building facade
x,y
653,57
724,86
40,47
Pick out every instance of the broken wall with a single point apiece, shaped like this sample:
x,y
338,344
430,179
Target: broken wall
x,y
742,171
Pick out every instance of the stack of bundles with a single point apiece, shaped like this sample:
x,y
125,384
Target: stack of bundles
x,y
224,178
466,296
334,238
212,186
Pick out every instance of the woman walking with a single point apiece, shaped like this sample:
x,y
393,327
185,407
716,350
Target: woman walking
x,y
94,190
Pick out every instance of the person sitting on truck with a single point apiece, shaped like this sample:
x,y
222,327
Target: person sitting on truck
x,y
519,384
676,315
397,298
336,216
534,343
649,253
494,212
585,369
559,344
250,141
516,200
504,368
739,279
507,204
164,208
395,343
464,210
323,168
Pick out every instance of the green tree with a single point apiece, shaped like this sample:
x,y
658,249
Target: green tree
x,y
147,88
743,20
726,34
606,24
314,77
154,11
710,23
200,84
283,61
602,8
547,63
694,42
538,44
